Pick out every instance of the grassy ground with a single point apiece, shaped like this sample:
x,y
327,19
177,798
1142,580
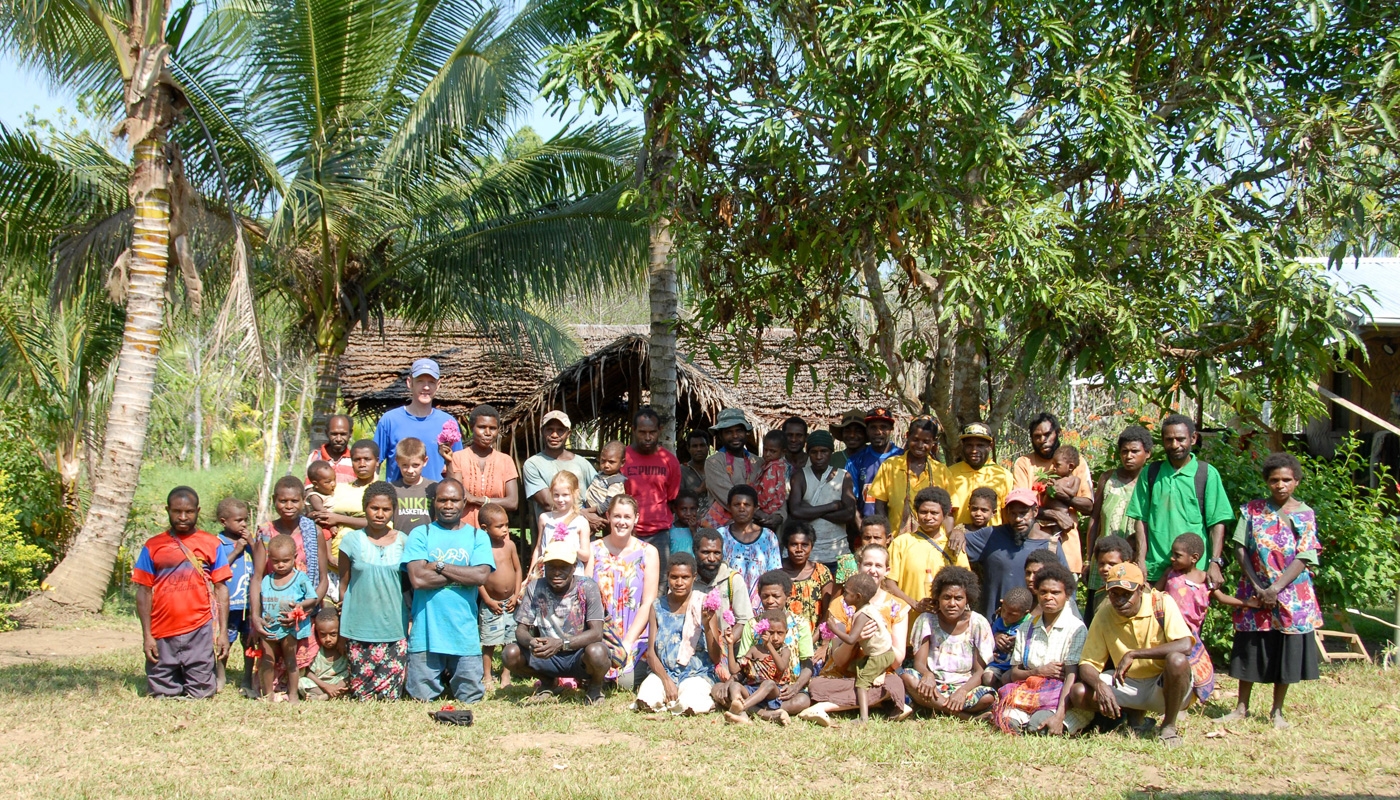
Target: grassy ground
x,y
80,729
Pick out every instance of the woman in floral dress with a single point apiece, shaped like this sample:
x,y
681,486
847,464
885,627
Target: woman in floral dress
x,y
626,571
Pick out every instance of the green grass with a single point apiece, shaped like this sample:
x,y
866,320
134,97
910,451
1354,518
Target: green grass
x,y
82,729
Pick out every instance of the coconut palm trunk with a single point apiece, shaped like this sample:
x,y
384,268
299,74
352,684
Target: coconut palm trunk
x,y
665,312
79,582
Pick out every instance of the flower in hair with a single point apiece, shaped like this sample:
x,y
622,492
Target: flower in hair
x,y
451,434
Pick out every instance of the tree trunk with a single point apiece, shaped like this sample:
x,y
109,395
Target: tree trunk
x,y
330,346
271,448
665,313
300,421
197,369
79,582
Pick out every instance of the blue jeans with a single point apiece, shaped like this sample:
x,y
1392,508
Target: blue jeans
x,y
463,674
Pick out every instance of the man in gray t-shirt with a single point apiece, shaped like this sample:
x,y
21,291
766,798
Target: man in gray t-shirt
x,y
559,628
539,470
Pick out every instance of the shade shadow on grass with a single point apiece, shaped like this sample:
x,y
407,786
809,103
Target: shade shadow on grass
x,y
58,678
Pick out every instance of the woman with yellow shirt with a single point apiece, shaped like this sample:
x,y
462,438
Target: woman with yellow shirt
x,y
916,557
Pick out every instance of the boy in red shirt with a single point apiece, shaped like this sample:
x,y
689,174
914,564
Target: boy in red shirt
x,y
181,579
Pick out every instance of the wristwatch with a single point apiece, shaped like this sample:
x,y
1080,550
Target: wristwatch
x,y
1219,562
438,567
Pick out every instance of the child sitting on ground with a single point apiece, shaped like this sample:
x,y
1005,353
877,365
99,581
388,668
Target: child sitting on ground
x,y
1187,584
328,677
609,482
760,673
287,598
877,650
687,509
502,591
1013,612
232,514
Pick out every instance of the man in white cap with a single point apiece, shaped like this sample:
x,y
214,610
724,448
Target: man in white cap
x,y
539,469
418,419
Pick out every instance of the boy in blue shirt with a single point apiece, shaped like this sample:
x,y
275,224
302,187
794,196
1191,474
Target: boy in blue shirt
x,y
1014,611
232,514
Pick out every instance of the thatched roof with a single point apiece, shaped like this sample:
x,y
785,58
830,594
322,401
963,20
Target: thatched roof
x,y
599,387
476,369
602,388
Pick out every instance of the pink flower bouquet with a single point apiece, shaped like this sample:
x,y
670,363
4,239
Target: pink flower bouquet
x,y
451,434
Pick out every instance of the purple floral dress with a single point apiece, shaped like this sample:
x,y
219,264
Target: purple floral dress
x,y
1272,540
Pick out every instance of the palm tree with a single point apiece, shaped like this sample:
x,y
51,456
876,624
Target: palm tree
x,y
405,190
120,50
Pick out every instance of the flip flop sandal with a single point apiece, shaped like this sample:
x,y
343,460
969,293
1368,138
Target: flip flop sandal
x,y
541,697
594,696
1171,741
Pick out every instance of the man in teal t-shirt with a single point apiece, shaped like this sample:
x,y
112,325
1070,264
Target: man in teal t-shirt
x,y
1174,506
446,561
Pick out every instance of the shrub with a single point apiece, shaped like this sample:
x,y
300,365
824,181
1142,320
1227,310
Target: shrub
x,y
20,561
32,493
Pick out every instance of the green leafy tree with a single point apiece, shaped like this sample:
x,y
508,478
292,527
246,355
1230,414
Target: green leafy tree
x,y
1042,185
120,54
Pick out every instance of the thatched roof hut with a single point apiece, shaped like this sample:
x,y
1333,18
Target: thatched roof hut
x,y
598,390
476,369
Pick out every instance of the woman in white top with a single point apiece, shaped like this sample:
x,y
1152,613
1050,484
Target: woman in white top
x,y
1044,662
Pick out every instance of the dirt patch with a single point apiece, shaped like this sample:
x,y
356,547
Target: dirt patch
x,y
554,745
33,645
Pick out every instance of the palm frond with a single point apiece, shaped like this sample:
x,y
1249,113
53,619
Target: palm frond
x,y
65,40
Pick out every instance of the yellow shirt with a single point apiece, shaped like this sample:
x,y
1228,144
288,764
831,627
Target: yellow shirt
x,y
964,479
1111,635
893,484
915,559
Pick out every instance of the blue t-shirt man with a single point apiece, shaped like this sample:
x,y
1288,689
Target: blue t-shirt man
x,y
418,420
444,619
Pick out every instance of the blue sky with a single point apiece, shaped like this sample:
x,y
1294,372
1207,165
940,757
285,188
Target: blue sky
x,y
25,92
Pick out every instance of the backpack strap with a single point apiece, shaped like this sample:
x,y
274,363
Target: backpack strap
x,y
1202,472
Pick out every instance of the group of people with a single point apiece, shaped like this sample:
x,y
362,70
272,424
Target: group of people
x,y
797,582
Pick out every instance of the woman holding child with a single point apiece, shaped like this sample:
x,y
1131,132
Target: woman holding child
x,y
626,570
373,599
835,688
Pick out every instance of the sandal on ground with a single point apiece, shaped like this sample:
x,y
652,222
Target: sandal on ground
x,y
594,695
1171,741
540,697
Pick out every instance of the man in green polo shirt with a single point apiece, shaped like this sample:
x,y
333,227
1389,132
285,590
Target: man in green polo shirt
x,y
1168,502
